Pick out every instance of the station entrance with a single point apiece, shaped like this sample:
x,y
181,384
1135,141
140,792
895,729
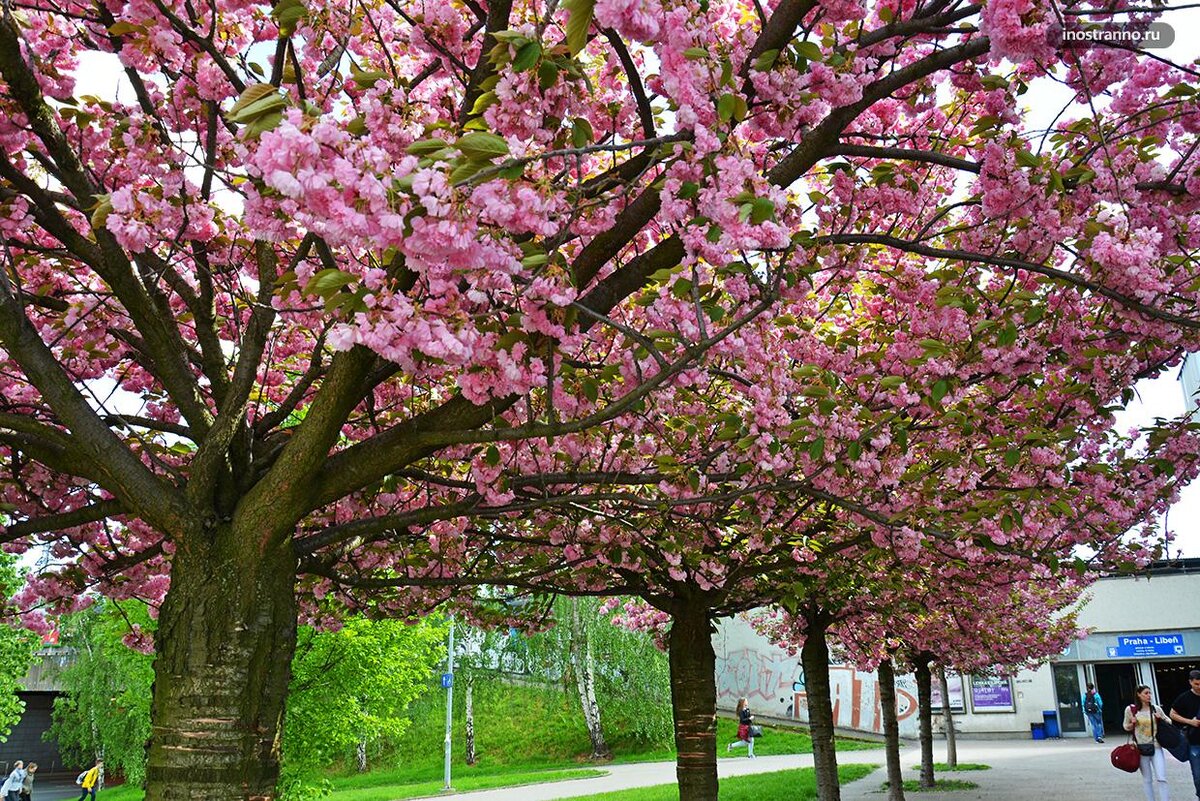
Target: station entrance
x,y
1115,682
1171,679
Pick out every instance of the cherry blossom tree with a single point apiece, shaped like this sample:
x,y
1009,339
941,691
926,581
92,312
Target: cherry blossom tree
x,y
344,307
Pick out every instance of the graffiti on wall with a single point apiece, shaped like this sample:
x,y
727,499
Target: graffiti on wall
x,y
774,684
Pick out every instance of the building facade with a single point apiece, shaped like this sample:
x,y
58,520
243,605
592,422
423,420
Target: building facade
x,y
1145,629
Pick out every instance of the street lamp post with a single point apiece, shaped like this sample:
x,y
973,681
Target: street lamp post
x,y
448,683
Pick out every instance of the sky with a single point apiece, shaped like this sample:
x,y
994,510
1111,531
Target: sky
x,y
99,74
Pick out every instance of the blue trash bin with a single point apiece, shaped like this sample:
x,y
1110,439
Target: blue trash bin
x,y
1050,719
1037,731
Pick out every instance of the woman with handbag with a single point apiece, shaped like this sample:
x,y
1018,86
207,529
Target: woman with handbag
x,y
1142,719
743,730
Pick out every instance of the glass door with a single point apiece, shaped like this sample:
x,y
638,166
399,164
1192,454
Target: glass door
x,y
1070,698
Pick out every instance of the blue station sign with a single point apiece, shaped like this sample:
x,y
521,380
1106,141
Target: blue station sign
x,y
1147,645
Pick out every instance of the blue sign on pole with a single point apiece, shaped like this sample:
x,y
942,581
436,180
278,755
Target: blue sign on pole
x,y
447,681
1148,645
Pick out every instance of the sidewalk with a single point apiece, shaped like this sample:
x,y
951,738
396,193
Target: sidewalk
x,y
1068,770
647,774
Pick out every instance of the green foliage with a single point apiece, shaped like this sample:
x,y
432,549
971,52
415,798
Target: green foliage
x,y
352,686
17,647
633,682
105,706
795,785
942,767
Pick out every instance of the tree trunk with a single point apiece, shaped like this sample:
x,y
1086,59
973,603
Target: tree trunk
x,y
891,730
469,715
948,717
925,715
814,657
360,754
585,681
226,637
693,665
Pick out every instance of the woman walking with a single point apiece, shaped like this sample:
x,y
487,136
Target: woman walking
x,y
12,785
1142,718
743,730
26,793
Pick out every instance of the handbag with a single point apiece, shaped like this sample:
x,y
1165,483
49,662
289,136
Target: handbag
x,y
755,731
1173,741
1126,757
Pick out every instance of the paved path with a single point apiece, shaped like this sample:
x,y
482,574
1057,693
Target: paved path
x,y
1063,770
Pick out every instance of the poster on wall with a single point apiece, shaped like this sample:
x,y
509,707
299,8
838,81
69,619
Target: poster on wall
x,y
991,694
958,702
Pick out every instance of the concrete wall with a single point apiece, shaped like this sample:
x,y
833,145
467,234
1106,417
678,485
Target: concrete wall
x,y
773,682
1189,378
26,743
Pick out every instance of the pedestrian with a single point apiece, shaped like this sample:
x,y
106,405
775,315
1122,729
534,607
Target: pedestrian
x,y
1185,710
1142,718
1093,707
12,785
89,779
27,785
743,730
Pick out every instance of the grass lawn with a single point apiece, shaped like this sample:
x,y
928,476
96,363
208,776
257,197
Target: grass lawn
x,y
795,785
942,786
942,767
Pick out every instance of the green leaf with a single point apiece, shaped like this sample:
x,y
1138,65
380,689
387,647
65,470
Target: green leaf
x,y
482,145
492,456
809,50
581,132
939,390
1008,335
287,14
725,106
1011,457
103,208
425,147
255,100
591,390
817,448
547,75
465,171
762,209
688,190
326,282
1027,159
483,102
766,60
527,57
891,381
695,53
578,23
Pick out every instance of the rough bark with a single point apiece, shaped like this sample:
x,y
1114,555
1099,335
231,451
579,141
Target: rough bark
x,y
814,657
469,716
948,717
227,634
891,730
583,667
693,664
925,716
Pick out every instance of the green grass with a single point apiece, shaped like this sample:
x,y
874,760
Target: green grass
x,y
942,786
388,792
521,732
795,785
942,767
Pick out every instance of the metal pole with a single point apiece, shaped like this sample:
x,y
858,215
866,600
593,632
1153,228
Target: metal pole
x,y
449,700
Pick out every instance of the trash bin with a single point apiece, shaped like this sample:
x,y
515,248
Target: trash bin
x,y
1050,719
1037,731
